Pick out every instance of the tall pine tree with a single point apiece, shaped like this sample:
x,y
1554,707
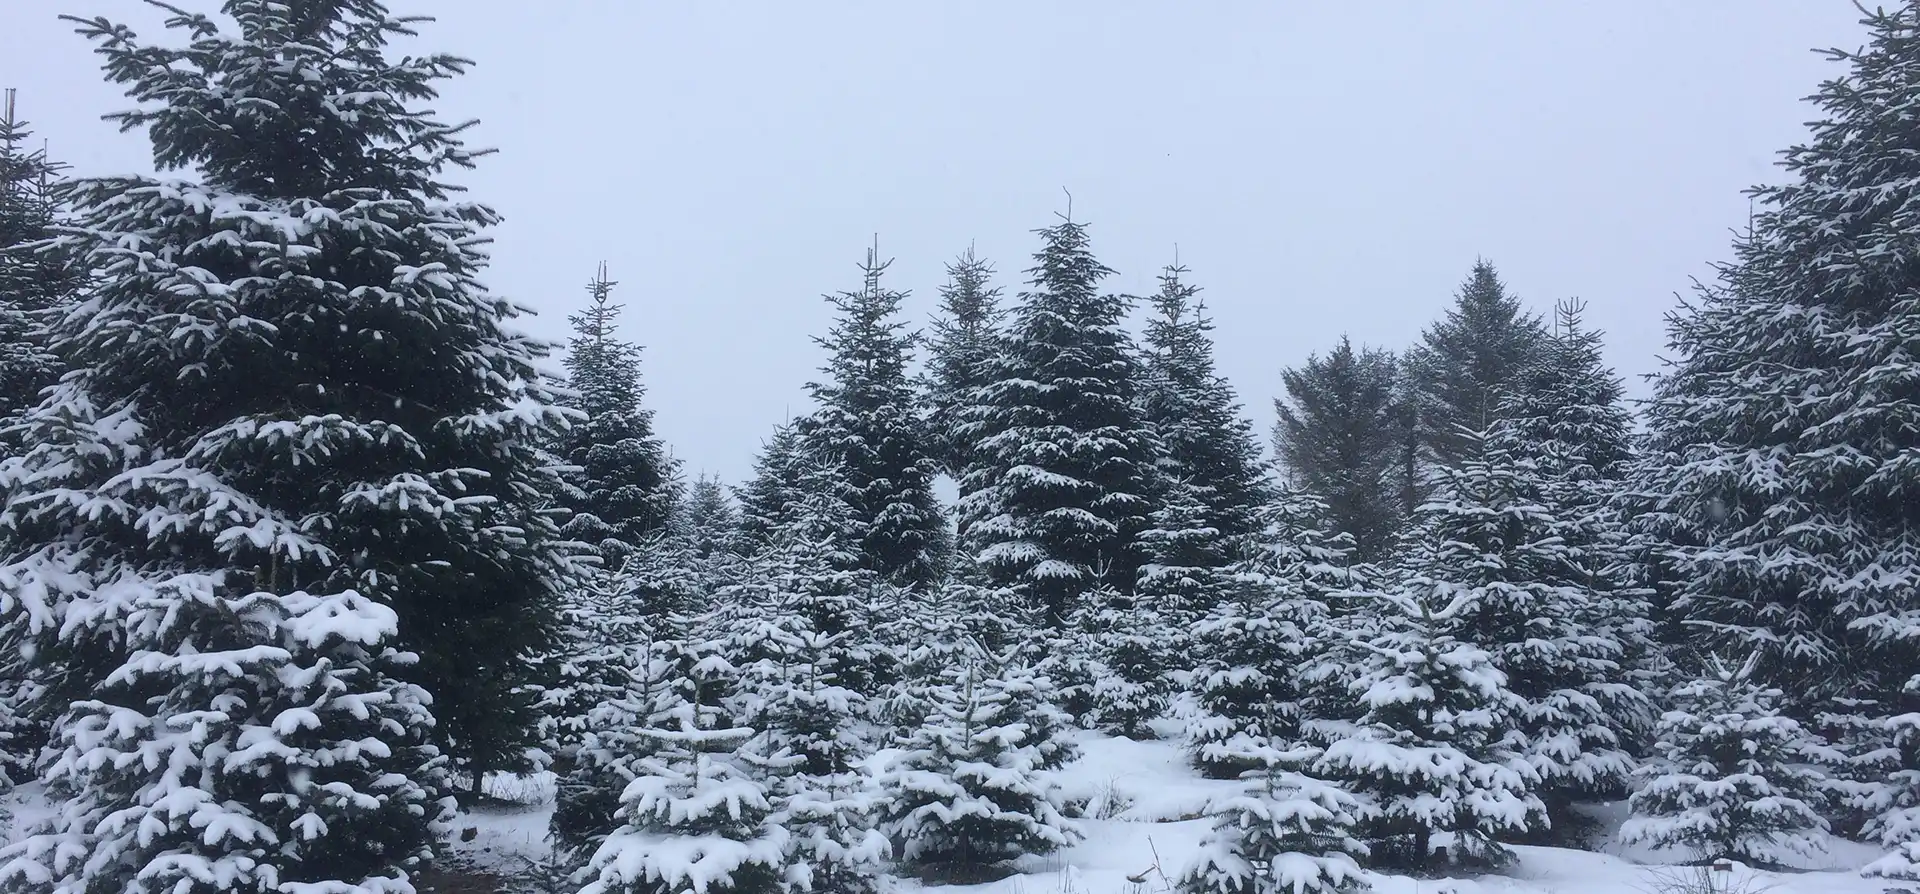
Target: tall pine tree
x,y
1058,489
1791,419
299,440
1466,363
866,426
769,500
966,338
624,485
1340,435
1530,590
1207,447
36,279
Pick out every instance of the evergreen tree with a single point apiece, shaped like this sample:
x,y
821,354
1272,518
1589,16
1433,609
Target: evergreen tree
x,y
597,771
1058,490
867,428
603,642
298,442
710,517
974,786
1261,654
1467,363
1206,445
960,355
1530,592
36,277
1790,416
767,501
810,726
1733,778
934,630
1428,750
1339,435
1285,833
624,486
698,814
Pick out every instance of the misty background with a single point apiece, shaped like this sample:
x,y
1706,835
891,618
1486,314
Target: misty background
x,y
1324,167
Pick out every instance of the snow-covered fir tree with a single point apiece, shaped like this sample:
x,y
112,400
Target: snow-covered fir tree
x,y
623,486
975,784
1892,798
1789,417
1206,444
1261,655
699,814
811,730
960,354
1571,424
932,630
1137,643
1339,434
709,518
1059,486
603,643
867,426
1428,749
1732,777
36,279
1528,580
768,498
595,772
1466,363
299,441
1284,833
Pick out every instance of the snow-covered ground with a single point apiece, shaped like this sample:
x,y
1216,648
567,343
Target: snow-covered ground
x,y
1144,823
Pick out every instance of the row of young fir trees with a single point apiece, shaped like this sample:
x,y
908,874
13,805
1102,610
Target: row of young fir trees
x,y
298,537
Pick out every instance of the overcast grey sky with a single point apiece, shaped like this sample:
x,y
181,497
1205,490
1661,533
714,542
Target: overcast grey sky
x,y
1325,167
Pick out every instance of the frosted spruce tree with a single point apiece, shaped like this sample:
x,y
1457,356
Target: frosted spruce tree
x,y
1284,833
603,642
1059,486
1572,425
709,518
299,442
933,630
1340,434
1266,670
975,786
960,354
1504,539
1466,363
1428,748
596,772
623,485
698,814
867,426
768,498
1206,446
36,279
1788,418
811,731
1732,778
1261,656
